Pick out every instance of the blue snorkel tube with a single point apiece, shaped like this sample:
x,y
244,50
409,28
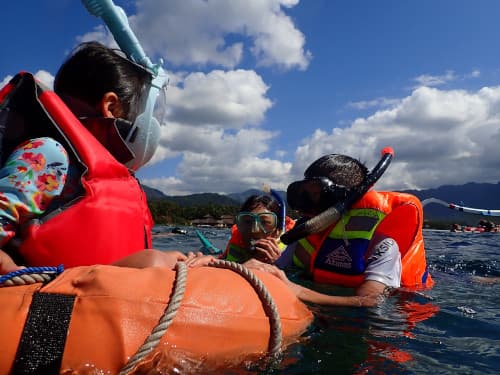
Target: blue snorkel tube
x,y
282,204
144,137
334,213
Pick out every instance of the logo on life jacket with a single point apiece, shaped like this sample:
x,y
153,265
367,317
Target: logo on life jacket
x,y
339,257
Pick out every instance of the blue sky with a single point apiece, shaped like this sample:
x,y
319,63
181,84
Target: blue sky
x,y
260,89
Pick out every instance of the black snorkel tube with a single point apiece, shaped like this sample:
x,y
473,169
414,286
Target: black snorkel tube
x,y
334,213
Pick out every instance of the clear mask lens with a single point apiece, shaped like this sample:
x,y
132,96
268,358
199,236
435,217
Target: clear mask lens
x,y
248,222
160,106
144,137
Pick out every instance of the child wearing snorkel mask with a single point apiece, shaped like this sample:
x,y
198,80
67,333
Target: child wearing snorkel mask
x,y
349,252
256,232
111,96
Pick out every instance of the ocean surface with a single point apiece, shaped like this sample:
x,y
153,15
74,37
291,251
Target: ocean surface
x,y
454,328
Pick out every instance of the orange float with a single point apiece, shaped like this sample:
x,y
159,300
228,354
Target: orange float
x,y
220,320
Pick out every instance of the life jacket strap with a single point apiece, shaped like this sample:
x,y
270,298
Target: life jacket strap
x,y
41,347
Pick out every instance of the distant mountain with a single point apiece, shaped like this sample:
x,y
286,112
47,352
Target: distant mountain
x,y
153,194
242,197
476,195
202,199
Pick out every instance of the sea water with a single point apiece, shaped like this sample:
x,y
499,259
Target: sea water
x,y
454,328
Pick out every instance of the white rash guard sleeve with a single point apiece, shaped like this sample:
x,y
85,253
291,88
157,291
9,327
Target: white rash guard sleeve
x,y
384,263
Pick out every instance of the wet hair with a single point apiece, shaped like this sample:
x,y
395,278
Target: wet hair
x,y
340,169
266,201
94,69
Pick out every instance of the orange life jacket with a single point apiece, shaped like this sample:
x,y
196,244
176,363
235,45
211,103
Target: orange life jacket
x,y
392,214
111,219
110,312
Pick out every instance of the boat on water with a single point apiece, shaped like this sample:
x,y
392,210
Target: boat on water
x,y
188,320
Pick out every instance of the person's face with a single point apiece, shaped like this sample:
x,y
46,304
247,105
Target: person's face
x,y
257,224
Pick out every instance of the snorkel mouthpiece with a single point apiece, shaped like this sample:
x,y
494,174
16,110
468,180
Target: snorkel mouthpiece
x,y
333,214
144,137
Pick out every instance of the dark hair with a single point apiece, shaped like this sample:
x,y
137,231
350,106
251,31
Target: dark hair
x,y
340,169
94,69
266,201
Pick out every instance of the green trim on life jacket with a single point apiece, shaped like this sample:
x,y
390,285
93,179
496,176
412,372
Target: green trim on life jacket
x,y
350,220
356,219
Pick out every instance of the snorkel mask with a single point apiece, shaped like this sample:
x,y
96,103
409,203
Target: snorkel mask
x,y
314,195
331,214
144,136
248,222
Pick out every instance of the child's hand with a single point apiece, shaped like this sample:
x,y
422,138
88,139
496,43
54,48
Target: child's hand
x,y
267,250
7,264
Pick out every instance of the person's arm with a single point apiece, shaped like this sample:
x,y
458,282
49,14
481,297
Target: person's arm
x,y
151,258
366,299
32,176
311,296
7,264
157,258
368,294
383,264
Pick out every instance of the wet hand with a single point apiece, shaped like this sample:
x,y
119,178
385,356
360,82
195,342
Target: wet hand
x,y
267,250
198,259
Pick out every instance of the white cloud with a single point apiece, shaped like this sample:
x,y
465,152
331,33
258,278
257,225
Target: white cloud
x,y
46,78
232,99
439,80
430,80
217,161
5,80
193,32
99,34
439,137
374,103
474,74
42,75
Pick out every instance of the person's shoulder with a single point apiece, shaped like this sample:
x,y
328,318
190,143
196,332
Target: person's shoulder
x,y
41,143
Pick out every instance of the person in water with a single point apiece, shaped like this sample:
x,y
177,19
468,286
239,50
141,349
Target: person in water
x,y
107,93
359,250
351,252
256,231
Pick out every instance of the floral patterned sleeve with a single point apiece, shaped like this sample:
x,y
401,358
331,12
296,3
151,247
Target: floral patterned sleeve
x,y
32,176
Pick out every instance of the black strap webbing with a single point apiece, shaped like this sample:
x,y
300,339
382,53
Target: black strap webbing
x,y
44,336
